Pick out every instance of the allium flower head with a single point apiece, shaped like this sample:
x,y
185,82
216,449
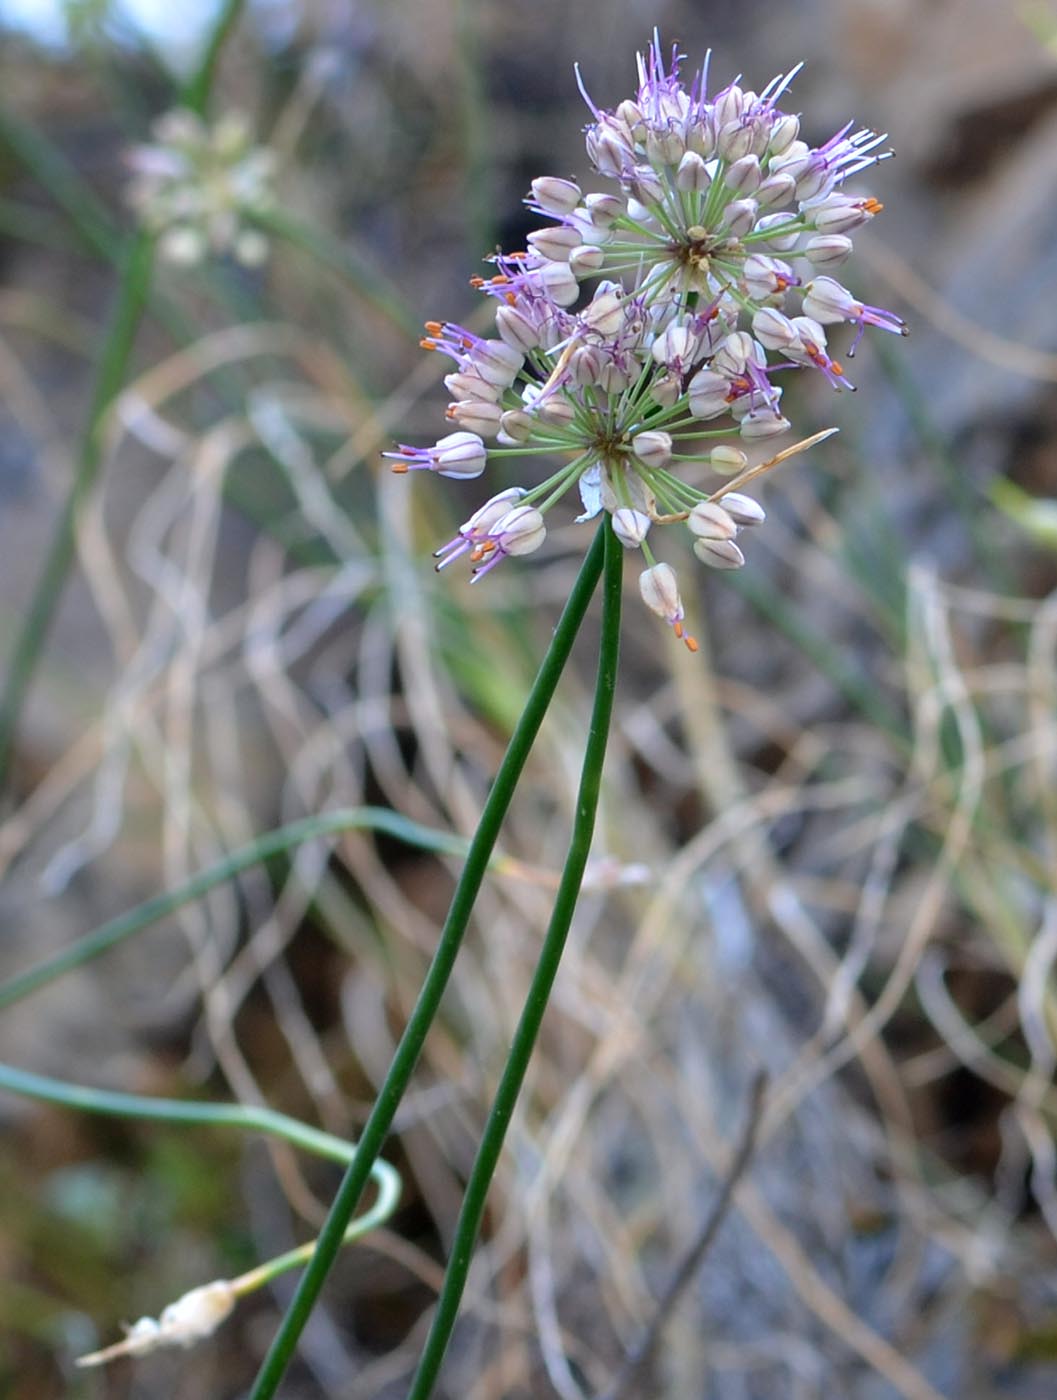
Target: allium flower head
x,y
199,187
643,335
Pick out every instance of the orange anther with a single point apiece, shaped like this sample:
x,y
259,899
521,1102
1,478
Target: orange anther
x,y
690,643
434,327
872,206
427,344
836,366
400,468
510,298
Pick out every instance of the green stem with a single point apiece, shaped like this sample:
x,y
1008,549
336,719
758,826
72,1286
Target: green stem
x,y
132,297
111,1103
407,1052
247,1117
476,1194
273,843
195,95
131,302
51,172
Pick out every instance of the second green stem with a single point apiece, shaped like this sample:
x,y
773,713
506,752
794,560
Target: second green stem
x,y
524,1041
426,1007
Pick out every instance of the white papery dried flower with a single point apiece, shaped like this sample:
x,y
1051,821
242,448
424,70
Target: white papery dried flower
x,y
190,1319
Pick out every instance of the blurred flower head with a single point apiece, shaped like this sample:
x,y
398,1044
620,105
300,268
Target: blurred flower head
x,y
643,335
199,187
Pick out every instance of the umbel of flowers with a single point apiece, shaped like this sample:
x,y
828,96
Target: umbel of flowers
x,y
652,325
199,188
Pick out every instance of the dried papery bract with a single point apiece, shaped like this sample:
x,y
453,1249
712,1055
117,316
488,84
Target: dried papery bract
x,y
190,1319
654,324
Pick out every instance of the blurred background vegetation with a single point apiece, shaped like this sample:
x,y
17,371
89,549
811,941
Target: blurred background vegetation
x,y
828,844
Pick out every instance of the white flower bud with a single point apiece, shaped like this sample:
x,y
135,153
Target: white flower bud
x,y
653,448
701,137
250,248
827,250
520,531
231,135
585,365
485,517
515,329
794,160
555,243
182,245
609,148
461,386
708,394
517,425
735,352
496,361
630,527
744,176
586,260
773,330
743,510
660,592
556,408
630,116
612,379
664,146
666,390
763,423
727,460
784,132
640,213
764,276
180,127
646,185
678,345
604,208
730,105
560,284
459,455
709,521
692,173
739,217
772,225
719,554
827,302
776,189
556,196
733,140
814,183
475,416
839,213
808,332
